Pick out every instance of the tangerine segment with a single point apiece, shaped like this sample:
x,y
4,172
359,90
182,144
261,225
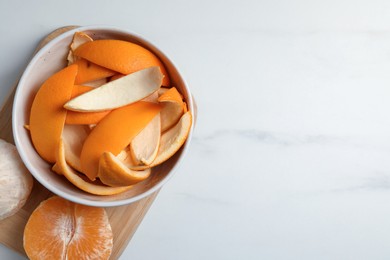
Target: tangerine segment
x,y
114,133
60,229
89,71
87,118
63,168
47,116
121,56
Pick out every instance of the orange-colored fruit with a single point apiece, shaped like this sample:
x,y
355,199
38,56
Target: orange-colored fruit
x,y
81,181
89,71
83,118
121,56
47,116
60,229
114,133
152,97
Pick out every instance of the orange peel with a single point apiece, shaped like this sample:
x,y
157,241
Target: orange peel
x,y
173,108
89,71
86,118
145,145
79,38
60,229
118,93
96,83
114,173
121,56
47,116
171,141
114,133
63,168
73,137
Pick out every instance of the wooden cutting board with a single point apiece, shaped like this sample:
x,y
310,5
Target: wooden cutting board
x,y
124,219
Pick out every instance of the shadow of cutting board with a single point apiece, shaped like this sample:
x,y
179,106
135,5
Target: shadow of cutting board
x,y
124,220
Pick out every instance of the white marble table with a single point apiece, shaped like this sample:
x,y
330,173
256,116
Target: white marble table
x,y
291,154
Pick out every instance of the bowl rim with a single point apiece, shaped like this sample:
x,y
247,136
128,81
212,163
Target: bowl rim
x,y
53,188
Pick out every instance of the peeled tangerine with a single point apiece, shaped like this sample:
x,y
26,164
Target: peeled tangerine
x,y
15,181
60,229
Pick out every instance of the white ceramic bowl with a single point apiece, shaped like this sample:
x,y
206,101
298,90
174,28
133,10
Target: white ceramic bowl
x,y
50,59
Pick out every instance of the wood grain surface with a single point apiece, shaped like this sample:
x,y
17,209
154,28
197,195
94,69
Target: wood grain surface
x,y
124,220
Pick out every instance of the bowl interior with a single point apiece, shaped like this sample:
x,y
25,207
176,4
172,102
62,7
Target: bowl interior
x,y
51,59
